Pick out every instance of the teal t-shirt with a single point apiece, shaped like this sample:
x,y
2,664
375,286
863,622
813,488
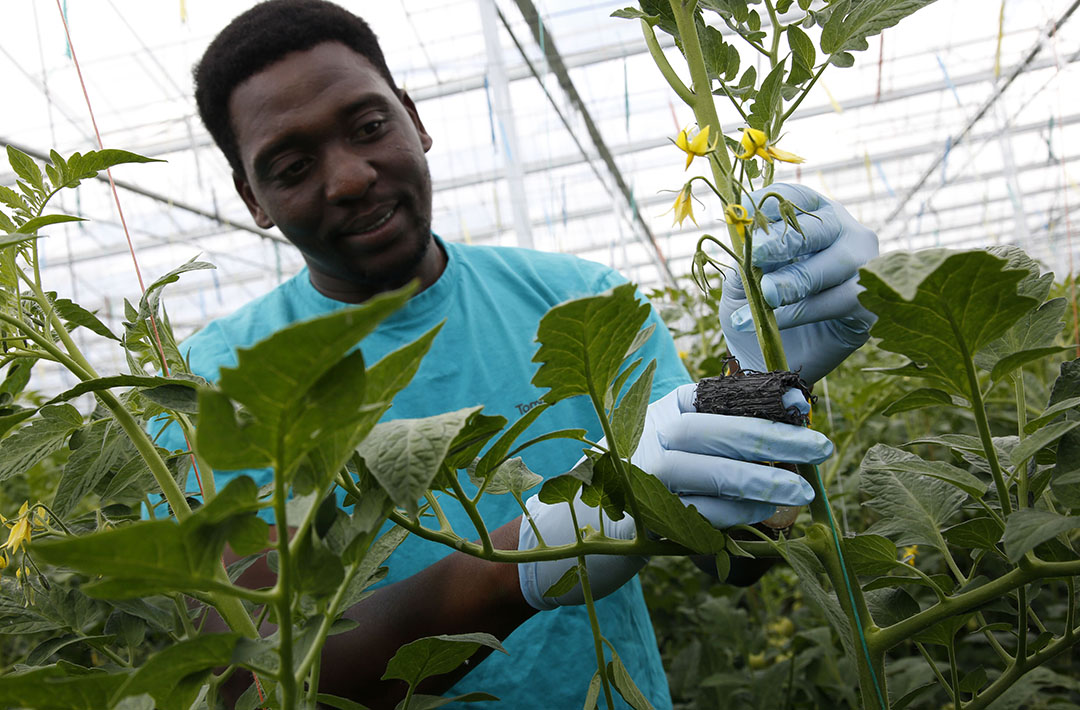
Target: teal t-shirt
x,y
492,299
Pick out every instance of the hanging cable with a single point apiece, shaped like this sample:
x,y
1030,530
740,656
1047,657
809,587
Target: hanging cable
x,y
123,222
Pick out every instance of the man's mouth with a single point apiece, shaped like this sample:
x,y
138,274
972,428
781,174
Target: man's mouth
x,y
370,225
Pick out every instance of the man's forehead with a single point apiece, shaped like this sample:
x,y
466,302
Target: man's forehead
x,y
327,75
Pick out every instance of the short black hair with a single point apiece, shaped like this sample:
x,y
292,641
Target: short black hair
x,y
260,37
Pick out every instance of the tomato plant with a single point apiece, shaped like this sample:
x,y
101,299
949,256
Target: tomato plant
x,y
972,543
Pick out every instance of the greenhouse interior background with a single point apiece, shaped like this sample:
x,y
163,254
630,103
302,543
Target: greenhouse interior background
x,y
957,128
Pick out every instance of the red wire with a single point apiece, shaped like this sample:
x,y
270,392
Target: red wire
x,y
123,222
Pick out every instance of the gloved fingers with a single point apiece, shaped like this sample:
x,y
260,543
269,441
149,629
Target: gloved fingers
x,y
696,474
795,398
841,302
801,196
828,224
718,437
606,572
804,277
723,513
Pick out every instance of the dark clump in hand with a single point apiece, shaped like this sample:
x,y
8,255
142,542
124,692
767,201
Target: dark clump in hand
x,y
748,393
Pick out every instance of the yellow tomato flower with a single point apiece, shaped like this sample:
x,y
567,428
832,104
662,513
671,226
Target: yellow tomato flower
x,y
736,215
756,144
684,206
785,156
909,553
3,561
753,143
698,146
20,531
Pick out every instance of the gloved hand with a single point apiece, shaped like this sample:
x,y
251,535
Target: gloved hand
x,y
810,281
708,460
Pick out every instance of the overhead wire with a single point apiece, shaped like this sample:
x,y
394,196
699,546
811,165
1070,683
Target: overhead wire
x,y
120,212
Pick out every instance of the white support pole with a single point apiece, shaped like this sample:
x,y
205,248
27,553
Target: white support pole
x,y
499,83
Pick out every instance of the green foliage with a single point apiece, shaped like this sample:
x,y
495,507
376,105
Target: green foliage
x,y
939,307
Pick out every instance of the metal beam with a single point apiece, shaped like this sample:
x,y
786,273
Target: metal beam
x,y
1000,89
165,199
555,62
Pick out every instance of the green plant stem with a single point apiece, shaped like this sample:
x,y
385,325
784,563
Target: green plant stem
x,y
620,465
791,109
282,592
604,546
870,663
590,607
529,519
701,101
185,620
473,513
1021,422
1012,674
113,656
768,332
1003,655
313,680
1070,615
954,673
933,667
884,639
1021,623
978,409
924,576
209,486
444,523
329,615
777,30
663,65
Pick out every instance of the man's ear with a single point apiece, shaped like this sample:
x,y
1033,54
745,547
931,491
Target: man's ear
x,y
425,139
243,188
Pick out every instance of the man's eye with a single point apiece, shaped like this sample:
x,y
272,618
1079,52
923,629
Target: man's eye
x,y
292,170
370,128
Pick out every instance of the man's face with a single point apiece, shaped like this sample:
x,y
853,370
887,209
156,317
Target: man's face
x,y
335,158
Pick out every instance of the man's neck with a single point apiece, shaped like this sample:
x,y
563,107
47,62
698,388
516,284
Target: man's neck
x,y
428,270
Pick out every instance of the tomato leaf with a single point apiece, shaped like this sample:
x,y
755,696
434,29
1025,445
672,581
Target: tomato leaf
x,y
938,306
1029,527
583,342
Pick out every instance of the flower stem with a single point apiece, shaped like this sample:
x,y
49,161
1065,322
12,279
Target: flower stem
x,y
664,66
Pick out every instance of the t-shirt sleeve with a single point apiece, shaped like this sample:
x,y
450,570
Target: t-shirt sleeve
x,y
670,370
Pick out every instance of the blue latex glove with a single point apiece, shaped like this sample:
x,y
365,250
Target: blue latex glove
x,y
811,282
708,460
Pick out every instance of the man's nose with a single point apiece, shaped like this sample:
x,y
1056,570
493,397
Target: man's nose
x,y
349,175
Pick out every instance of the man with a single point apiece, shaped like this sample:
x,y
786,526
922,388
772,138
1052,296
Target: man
x,y
323,145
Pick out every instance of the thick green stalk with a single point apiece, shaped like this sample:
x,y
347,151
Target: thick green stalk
x,y
702,104
768,332
1008,678
283,591
884,639
821,540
